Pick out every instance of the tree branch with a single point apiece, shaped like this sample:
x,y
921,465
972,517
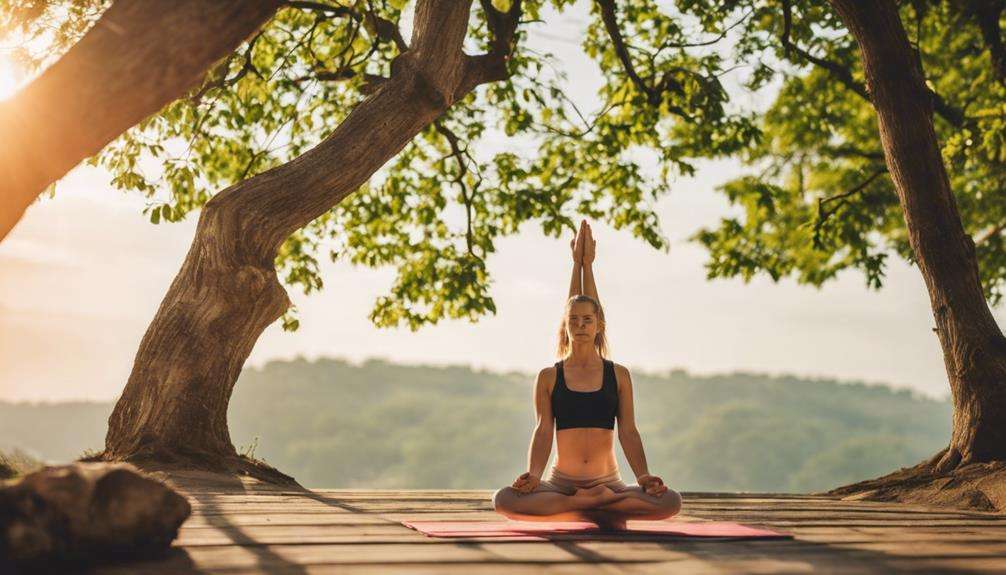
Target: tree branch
x,y
336,10
987,14
993,232
285,198
653,92
610,20
492,66
502,26
135,59
384,29
848,150
823,214
843,73
460,157
387,31
721,36
223,81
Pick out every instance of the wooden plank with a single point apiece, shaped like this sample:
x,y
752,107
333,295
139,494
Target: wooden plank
x,y
242,527
950,566
345,494
287,519
888,523
346,507
267,557
272,535
855,536
325,515
487,504
185,567
486,494
345,518
262,535
245,497
371,534
877,510
394,503
929,548
420,506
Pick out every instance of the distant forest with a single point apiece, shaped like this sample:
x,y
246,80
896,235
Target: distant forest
x,y
330,423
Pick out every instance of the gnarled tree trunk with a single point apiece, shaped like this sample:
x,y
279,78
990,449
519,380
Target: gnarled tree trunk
x,y
974,349
175,402
138,57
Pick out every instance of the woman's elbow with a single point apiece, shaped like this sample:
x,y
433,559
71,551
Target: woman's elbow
x,y
627,432
544,428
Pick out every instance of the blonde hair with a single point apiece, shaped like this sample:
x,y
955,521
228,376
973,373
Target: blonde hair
x,y
600,341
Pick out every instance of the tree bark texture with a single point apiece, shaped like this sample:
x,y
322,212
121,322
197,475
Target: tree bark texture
x,y
974,349
138,56
227,292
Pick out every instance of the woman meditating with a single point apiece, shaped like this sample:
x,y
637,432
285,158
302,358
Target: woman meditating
x,y
581,396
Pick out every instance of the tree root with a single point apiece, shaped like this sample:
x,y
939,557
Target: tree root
x,y
949,461
944,480
172,461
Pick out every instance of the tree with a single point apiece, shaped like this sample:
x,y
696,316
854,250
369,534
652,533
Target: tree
x,y
305,73
834,193
175,402
974,348
131,62
300,75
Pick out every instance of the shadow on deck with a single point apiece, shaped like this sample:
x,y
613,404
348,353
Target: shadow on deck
x,y
241,526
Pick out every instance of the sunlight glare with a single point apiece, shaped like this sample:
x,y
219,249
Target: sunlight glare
x,y
9,79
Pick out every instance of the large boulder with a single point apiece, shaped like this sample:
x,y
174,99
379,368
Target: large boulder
x,y
87,511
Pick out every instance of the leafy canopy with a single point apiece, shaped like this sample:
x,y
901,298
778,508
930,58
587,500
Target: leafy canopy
x,y
438,208
818,198
817,201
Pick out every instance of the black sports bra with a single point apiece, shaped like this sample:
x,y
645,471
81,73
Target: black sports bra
x,y
585,408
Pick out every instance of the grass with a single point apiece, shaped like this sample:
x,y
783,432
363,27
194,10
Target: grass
x,y
15,463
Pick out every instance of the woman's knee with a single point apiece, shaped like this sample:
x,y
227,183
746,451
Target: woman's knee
x,y
669,503
503,499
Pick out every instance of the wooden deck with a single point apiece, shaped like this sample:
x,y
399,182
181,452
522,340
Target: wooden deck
x,y
242,527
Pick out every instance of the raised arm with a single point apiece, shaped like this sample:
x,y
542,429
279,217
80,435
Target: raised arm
x,y
576,246
589,249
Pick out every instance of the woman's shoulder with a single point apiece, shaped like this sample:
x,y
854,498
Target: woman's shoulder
x,y
619,368
547,372
622,375
546,378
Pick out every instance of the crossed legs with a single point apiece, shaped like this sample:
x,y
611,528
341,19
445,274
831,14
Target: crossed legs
x,y
600,504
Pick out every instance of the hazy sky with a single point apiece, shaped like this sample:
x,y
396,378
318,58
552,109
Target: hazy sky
x,y
82,275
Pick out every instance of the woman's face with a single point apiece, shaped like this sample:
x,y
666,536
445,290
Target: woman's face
x,y
582,322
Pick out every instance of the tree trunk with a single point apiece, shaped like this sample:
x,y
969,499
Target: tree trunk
x,y
138,57
974,349
227,292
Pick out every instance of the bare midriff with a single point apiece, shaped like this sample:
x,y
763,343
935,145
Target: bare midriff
x,y
585,451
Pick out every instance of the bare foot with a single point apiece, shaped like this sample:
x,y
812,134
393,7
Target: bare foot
x,y
598,495
595,491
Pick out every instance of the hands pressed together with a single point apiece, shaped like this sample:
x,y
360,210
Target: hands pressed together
x,y
583,246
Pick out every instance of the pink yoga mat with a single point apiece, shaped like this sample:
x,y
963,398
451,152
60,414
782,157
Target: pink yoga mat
x,y
542,530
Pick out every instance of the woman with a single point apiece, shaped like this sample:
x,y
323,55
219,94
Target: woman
x,y
584,483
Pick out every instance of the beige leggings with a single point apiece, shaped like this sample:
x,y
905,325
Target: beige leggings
x,y
567,484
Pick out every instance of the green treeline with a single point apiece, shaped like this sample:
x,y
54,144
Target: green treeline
x,y
330,423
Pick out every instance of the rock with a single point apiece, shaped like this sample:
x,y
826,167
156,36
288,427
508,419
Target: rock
x,y
87,511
